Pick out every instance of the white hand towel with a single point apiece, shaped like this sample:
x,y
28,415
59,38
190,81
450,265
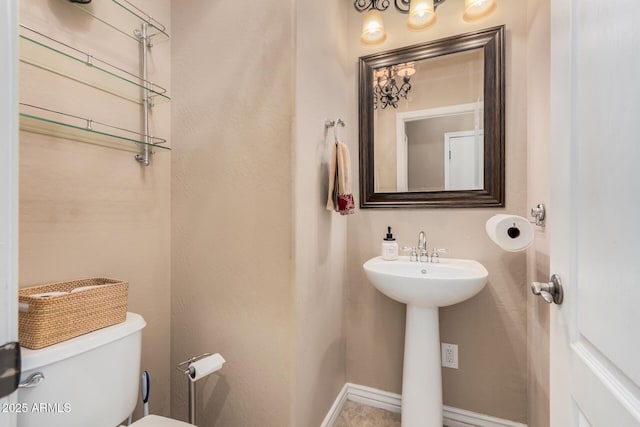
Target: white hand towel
x,y
332,196
340,181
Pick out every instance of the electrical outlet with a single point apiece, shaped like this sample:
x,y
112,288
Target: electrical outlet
x,y
449,355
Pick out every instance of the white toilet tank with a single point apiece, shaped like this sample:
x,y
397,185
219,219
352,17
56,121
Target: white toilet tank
x,y
89,381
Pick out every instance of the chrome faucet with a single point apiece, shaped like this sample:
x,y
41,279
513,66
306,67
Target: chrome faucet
x,y
423,253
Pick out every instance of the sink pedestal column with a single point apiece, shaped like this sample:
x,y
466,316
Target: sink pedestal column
x,y
421,376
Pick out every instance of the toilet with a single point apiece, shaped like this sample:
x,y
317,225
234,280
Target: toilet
x,y
91,380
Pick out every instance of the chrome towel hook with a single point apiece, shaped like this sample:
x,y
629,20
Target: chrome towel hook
x,y
334,124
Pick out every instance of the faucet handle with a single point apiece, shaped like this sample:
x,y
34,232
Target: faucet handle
x,y
414,252
435,254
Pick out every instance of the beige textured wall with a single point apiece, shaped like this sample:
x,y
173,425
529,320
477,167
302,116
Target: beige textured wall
x,y
88,210
490,329
232,208
320,236
538,191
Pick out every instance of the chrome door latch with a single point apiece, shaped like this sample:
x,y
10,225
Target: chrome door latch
x,y
551,292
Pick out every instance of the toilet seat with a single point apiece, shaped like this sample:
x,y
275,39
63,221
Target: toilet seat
x,y
157,421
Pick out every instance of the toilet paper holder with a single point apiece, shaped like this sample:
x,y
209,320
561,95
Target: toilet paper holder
x,y
188,362
539,215
190,372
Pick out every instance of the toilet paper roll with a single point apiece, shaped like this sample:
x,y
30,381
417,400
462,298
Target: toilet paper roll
x,y
49,294
206,366
511,232
86,288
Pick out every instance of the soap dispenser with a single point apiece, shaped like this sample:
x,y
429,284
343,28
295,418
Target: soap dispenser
x,y
389,247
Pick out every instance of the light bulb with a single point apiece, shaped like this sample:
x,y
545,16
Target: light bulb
x,y
380,76
373,28
474,9
421,14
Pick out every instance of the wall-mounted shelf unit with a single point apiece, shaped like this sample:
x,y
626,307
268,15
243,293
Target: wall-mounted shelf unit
x,y
55,123
47,53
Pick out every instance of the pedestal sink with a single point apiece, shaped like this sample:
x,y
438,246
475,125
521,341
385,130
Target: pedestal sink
x,y
424,287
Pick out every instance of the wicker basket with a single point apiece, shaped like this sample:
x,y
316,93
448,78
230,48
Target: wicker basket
x,y
44,321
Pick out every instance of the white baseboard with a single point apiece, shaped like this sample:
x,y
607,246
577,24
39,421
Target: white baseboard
x,y
453,417
333,414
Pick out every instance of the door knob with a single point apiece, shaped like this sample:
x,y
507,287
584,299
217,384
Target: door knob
x,y
551,291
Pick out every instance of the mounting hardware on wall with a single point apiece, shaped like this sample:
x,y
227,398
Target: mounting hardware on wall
x,y
333,124
145,44
539,215
551,292
422,14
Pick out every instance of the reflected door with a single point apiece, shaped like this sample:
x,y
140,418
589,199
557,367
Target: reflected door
x,y
463,162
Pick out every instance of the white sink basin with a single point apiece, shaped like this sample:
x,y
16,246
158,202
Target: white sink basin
x,y
424,287
424,284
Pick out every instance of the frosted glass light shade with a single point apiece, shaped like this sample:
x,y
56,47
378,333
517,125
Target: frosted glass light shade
x,y
373,28
421,14
474,9
405,70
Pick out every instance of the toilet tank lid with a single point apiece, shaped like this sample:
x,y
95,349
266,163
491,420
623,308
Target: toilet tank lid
x,y
34,359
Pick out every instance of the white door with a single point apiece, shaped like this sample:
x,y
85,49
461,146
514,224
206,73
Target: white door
x,y
8,194
8,188
594,217
463,160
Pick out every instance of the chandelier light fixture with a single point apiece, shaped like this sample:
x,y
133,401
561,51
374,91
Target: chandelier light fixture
x,y
386,90
422,14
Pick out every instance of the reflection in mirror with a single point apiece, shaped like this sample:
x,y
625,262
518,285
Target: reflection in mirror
x,y
432,123
414,138
439,151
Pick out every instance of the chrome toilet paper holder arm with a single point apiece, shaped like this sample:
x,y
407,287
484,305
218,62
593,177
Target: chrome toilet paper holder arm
x,y
188,363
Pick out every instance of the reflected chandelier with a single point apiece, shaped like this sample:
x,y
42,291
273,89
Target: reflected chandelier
x,y
385,84
422,13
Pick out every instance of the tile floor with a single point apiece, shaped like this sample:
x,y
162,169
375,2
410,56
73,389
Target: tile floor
x,y
357,415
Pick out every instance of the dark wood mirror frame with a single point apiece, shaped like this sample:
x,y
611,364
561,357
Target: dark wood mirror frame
x,y
492,41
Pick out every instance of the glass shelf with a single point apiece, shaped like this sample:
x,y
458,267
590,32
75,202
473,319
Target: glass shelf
x,y
50,122
49,54
157,31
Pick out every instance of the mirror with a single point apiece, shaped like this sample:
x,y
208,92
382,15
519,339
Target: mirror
x,y
432,123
